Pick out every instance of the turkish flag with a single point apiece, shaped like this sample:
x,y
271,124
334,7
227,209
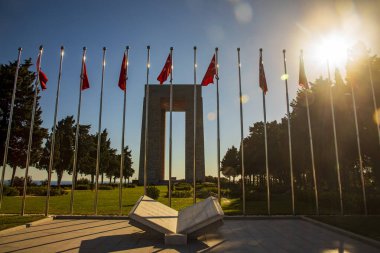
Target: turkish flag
x,y
302,81
210,73
85,82
123,74
41,75
262,79
166,70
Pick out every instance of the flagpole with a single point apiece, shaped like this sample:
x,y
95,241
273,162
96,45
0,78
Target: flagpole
x,y
99,134
52,144
30,138
217,119
146,118
122,138
170,124
242,134
311,146
373,97
335,140
266,142
359,150
289,134
195,124
9,126
77,136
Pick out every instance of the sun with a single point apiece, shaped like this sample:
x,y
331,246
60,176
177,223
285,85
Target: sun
x,y
333,48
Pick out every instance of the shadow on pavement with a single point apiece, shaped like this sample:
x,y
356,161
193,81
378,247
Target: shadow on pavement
x,y
144,241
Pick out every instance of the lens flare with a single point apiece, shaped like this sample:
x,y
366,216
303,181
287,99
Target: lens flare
x,y
284,77
244,99
211,116
376,117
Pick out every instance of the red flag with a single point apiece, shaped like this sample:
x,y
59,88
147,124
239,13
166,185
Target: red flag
x,y
166,70
123,74
262,79
85,82
210,73
302,75
41,75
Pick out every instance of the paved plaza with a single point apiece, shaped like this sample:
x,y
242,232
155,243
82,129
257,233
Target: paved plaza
x,y
258,235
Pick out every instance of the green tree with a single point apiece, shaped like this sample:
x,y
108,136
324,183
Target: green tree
x,y
128,170
21,116
231,163
86,149
63,151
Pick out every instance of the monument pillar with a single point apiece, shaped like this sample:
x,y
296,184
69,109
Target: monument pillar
x,y
183,101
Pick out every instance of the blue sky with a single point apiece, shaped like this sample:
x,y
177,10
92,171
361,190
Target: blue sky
x,y
227,24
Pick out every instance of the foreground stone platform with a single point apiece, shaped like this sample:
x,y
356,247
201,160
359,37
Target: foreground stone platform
x,y
265,235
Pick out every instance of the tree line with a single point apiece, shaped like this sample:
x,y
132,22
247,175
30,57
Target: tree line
x,y
65,134
358,76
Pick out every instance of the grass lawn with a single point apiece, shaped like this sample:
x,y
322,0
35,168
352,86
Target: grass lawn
x,y
8,221
364,225
108,204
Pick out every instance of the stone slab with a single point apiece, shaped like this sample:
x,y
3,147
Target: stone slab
x,y
199,216
150,214
155,215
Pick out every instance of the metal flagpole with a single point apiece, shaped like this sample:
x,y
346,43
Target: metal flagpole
x,y
170,127
99,134
289,134
146,118
311,143
77,135
359,150
52,145
9,126
335,140
373,96
242,134
122,138
195,124
266,142
30,138
217,119
312,153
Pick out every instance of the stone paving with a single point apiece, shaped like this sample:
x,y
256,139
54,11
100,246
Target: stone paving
x,y
266,235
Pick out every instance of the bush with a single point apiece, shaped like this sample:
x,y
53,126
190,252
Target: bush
x,y
152,192
279,188
82,187
10,191
205,193
182,186
131,185
209,184
105,187
114,185
57,192
19,181
181,194
36,191
83,181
